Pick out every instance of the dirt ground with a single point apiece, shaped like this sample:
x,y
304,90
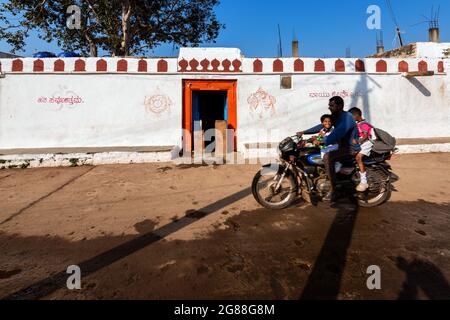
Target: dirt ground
x,y
159,231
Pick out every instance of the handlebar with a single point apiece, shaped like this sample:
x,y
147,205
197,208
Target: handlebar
x,y
296,138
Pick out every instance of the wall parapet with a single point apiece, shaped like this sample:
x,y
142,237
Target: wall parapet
x,y
222,65
88,65
341,65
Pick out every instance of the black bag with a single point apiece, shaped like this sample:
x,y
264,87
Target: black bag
x,y
384,142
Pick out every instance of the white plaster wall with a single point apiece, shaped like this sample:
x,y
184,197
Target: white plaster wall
x,y
417,108
210,53
431,49
113,112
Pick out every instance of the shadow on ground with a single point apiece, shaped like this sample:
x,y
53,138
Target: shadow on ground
x,y
307,253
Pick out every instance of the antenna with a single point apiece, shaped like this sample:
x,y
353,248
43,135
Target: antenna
x,y
294,35
399,35
394,19
280,45
380,42
433,20
295,52
433,24
173,49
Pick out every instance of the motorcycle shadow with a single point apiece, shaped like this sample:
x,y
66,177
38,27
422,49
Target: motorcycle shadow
x,y
344,202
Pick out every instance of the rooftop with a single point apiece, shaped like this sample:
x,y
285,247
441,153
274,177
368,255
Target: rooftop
x,y
418,50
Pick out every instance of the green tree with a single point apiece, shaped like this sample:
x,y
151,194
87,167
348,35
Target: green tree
x,y
120,27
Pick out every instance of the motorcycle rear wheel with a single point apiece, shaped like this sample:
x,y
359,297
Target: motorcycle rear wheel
x,y
378,200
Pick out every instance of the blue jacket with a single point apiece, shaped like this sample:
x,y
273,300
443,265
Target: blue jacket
x,y
345,130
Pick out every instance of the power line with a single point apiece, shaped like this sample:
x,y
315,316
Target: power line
x,y
391,11
280,52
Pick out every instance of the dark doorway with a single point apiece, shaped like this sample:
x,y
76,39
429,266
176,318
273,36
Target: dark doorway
x,y
207,108
226,90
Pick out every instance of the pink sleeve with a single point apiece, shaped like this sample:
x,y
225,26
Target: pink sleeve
x,y
366,128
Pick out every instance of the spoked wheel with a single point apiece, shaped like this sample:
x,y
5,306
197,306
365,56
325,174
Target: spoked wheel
x,y
273,190
379,191
371,199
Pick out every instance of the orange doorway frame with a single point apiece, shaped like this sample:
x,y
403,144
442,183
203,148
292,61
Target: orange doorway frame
x,y
189,86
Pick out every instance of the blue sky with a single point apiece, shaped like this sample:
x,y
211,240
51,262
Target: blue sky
x,y
324,28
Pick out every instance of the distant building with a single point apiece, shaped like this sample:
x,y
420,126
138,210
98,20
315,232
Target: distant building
x,y
5,55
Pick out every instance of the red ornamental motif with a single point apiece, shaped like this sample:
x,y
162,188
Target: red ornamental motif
x,y
184,64
158,104
206,65
262,98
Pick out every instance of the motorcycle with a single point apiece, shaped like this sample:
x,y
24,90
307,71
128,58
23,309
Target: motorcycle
x,y
301,171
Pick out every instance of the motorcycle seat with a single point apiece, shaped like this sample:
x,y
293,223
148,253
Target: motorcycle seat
x,y
376,158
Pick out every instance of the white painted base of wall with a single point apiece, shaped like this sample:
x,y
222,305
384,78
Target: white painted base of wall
x,y
79,159
107,158
424,148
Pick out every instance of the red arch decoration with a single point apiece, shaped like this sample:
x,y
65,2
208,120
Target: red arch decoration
x,y
17,65
381,66
339,65
441,68
257,66
102,66
403,66
122,65
38,65
59,65
278,66
360,66
80,66
299,65
319,66
423,66
142,66
163,66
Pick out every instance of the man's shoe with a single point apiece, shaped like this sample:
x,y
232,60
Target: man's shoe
x,y
330,197
362,187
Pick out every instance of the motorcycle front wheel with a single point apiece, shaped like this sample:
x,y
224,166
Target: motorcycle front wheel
x,y
270,192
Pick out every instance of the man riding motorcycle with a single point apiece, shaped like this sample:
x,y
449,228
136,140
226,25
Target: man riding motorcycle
x,y
344,133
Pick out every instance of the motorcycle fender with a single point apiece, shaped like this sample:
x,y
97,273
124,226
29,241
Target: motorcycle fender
x,y
279,168
385,165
